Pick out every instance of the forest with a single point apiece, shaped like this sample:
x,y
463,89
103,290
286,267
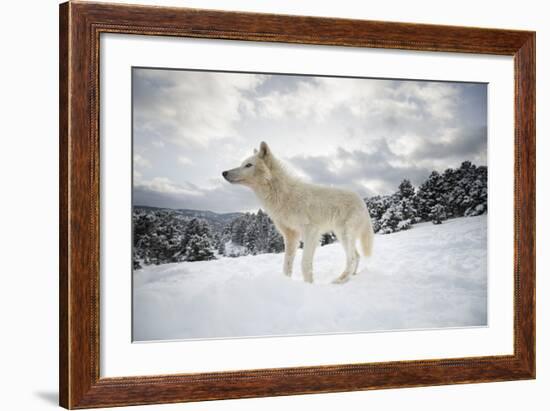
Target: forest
x,y
163,235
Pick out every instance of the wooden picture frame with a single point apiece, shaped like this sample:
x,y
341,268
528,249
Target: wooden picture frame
x,y
80,27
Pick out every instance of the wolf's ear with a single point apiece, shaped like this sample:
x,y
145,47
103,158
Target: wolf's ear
x,y
255,151
264,150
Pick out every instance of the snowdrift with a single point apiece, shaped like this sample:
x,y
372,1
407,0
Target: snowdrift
x,y
430,276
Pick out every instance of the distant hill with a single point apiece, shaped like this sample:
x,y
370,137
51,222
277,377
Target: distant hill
x,y
216,220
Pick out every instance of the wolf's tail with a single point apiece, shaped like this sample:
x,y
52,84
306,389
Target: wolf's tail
x,y
367,236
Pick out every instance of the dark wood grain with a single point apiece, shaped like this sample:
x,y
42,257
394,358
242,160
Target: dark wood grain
x,y
63,206
80,27
524,203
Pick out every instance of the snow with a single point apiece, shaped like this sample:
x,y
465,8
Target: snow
x,y
234,250
430,276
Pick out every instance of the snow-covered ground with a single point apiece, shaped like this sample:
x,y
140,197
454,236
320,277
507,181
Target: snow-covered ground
x,y
428,277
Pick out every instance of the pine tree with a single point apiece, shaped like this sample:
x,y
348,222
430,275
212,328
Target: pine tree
x,y
136,260
275,241
263,223
390,220
221,247
438,214
377,206
199,248
197,226
429,194
406,189
238,228
162,236
251,236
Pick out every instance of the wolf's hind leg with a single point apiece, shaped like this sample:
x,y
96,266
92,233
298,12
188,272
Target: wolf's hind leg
x,y
356,264
352,257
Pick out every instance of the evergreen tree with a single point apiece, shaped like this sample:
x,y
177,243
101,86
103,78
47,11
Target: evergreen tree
x,y
199,248
438,214
263,223
377,206
162,236
406,189
390,219
136,260
457,193
238,228
196,226
250,237
221,248
275,240
429,194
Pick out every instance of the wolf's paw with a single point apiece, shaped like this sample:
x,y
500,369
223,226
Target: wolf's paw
x,y
342,279
308,278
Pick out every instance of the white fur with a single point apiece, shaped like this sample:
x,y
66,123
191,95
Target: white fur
x,y
303,210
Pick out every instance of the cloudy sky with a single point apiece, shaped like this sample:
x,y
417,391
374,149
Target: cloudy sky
x,y
364,134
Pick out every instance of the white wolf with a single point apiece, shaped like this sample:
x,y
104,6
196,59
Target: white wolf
x,y
302,210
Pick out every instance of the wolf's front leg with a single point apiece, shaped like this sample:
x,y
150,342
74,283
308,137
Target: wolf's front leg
x,y
292,239
311,240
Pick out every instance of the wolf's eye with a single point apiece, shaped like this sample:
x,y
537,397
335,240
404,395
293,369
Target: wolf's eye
x,y
248,165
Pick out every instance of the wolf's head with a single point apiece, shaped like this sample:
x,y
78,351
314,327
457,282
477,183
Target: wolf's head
x,y
254,170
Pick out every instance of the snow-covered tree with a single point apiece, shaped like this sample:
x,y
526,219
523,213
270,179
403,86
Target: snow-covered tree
x,y
390,220
262,227
196,226
251,237
377,206
162,235
221,247
199,248
456,193
253,233
438,214
429,194
238,228
275,240
406,189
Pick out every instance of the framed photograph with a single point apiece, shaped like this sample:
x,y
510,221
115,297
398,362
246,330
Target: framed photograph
x,y
258,205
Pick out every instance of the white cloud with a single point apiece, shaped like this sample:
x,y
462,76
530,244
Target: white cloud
x,y
186,107
320,114
405,144
363,134
141,161
362,98
439,99
166,186
317,99
185,161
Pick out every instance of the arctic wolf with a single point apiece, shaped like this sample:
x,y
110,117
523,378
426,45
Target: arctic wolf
x,y
305,211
